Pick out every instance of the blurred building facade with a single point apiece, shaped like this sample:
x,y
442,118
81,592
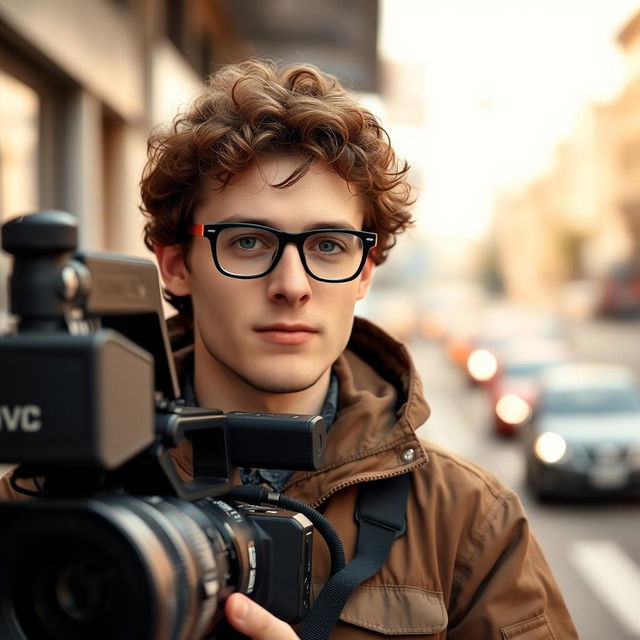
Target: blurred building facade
x,y
581,220
82,82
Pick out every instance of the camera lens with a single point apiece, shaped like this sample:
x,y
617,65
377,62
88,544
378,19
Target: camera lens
x,y
121,567
75,574
82,592
68,588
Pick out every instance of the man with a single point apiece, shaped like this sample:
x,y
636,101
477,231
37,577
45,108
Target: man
x,y
269,203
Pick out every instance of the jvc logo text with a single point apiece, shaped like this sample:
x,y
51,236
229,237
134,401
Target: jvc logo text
x,y
20,417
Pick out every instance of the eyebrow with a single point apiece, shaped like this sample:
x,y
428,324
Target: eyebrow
x,y
332,224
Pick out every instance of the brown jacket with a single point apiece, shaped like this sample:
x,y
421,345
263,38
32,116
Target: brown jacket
x,y
469,567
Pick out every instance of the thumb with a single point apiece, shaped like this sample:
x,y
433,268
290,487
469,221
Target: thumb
x,y
244,615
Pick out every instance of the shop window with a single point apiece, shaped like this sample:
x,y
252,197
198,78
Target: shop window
x,y
19,145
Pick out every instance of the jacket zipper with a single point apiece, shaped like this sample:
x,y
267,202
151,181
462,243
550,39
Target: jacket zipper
x,y
351,483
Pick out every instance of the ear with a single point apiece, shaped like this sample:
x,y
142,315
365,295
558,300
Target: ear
x,y
366,278
174,272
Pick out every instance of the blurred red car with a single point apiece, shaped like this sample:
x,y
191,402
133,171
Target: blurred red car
x,y
514,389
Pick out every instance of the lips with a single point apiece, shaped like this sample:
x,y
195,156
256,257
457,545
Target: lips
x,y
287,334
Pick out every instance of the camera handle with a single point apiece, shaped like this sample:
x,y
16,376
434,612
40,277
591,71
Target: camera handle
x,y
47,286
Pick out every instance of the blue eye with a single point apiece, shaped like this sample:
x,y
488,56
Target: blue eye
x,y
327,246
249,242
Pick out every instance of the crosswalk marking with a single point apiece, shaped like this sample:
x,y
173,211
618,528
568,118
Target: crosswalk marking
x,y
613,576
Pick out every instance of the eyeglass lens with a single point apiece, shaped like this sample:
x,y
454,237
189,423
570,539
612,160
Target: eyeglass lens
x,y
332,255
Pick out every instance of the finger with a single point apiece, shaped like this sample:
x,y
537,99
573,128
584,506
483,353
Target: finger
x,y
251,619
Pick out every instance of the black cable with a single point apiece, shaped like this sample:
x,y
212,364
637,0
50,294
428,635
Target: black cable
x,y
255,494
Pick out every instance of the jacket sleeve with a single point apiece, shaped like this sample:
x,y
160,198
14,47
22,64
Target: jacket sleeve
x,y
503,586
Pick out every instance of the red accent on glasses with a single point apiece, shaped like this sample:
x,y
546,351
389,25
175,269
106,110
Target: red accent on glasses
x,y
196,229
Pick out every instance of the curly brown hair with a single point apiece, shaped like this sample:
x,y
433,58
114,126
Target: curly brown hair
x,y
256,108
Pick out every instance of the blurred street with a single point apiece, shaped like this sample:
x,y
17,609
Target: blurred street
x,y
520,123
592,546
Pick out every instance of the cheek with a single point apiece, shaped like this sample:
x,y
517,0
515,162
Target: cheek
x,y
207,293
341,309
204,275
220,299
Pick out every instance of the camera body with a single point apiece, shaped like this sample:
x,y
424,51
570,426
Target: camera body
x,y
119,542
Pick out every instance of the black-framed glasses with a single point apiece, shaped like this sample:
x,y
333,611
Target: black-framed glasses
x,y
247,250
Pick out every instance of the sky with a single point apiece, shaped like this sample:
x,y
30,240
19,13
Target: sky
x,y
504,82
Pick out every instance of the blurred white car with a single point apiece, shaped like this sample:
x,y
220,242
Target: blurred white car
x,y
584,437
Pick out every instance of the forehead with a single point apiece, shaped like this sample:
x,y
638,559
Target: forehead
x,y
320,196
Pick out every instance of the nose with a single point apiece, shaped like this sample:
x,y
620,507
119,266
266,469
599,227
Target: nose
x,y
289,282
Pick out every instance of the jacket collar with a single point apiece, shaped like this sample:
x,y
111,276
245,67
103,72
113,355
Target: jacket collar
x,y
381,406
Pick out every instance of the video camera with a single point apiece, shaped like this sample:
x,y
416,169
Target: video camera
x,y
119,541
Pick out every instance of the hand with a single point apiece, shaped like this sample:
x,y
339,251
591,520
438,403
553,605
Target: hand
x,y
257,623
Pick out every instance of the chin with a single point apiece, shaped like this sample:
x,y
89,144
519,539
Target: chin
x,y
273,383
283,387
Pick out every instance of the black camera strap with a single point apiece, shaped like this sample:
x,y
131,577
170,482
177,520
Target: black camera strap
x,y
380,512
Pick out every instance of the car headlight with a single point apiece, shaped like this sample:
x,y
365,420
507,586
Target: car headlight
x,y
512,409
482,365
550,447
